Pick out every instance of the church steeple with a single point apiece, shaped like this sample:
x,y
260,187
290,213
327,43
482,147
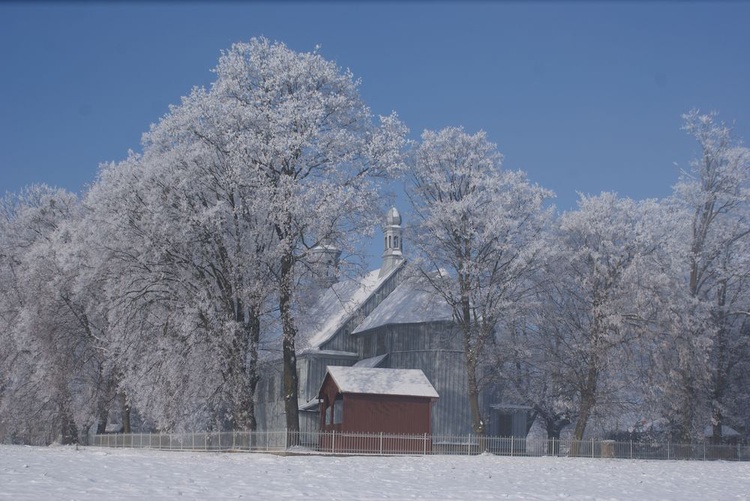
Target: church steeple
x,y
393,243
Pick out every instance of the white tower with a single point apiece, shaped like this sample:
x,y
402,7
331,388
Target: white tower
x,y
393,253
325,264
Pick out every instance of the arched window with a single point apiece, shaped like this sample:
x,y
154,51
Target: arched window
x,y
390,242
395,242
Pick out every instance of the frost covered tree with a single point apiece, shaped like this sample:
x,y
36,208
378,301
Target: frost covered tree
x,y
218,216
534,364
301,128
708,375
53,368
182,238
478,238
597,306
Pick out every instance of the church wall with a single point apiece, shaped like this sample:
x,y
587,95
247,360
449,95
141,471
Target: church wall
x,y
315,372
434,347
445,370
409,337
343,340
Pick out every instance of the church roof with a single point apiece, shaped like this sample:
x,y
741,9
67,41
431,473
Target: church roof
x,y
393,218
401,382
407,304
372,362
337,305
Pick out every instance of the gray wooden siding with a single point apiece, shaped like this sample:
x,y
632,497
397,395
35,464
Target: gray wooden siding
x,y
409,337
342,340
315,371
437,349
445,370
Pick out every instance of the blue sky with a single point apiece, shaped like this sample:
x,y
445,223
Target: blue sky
x,y
583,96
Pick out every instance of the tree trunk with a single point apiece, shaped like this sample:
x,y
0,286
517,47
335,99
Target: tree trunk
x,y
291,406
103,415
125,413
245,361
68,428
588,401
553,441
477,423
554,424
720,381
253,375
104,400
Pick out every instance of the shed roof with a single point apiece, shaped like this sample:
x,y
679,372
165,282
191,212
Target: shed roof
x,y
369,381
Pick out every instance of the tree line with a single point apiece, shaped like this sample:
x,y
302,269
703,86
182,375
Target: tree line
x,y
159,291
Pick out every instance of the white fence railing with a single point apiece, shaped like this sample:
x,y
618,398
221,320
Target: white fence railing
x,y
385,444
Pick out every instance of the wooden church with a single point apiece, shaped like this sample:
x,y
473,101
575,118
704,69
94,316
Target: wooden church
x,y
384,321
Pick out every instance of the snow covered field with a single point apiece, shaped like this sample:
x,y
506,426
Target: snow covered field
x,y
97,473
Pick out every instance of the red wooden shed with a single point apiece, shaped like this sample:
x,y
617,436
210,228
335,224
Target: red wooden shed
x,y
376,402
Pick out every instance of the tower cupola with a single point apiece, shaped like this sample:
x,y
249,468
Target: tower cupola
x,y
393,241
325,263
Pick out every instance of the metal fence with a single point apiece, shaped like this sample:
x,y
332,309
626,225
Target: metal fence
x,y
385,444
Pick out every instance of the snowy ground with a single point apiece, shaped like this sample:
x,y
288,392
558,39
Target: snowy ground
x,y
94,474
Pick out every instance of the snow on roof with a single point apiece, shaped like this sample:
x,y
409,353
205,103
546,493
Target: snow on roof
x,y
408,304
336,306
311,406
331,353
404,382
371,362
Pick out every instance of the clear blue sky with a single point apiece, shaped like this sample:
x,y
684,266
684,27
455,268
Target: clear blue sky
x,y
583,96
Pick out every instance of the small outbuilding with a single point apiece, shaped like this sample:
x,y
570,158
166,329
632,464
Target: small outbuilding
x,y
366,406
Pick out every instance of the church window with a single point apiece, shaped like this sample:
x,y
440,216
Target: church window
x,y
390,242
395,242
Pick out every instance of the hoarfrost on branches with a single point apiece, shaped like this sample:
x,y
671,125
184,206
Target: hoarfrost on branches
x,y
483,226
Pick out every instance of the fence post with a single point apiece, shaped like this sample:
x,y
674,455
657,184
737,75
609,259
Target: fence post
x,y
333,441
424,448
512,449
592,447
